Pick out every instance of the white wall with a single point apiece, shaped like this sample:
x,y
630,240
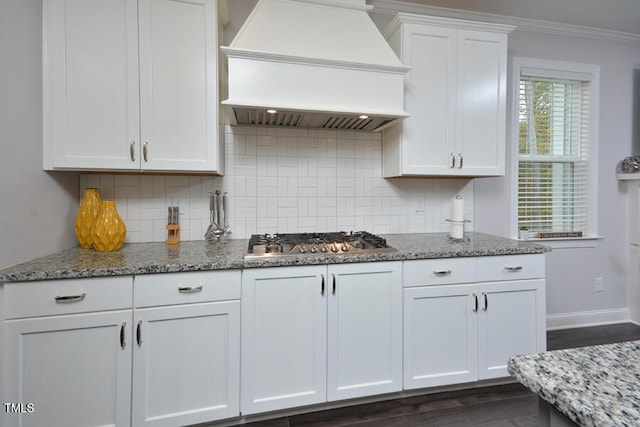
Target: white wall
x,y
37,210
571,272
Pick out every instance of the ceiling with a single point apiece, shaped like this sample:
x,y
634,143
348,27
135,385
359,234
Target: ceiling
x,y
616,15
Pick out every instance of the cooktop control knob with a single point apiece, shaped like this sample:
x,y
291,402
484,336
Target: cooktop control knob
x,y
334,247
324,248
314,249
344,247
303,249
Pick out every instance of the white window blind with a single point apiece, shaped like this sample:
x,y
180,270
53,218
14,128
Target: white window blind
x,y
553,162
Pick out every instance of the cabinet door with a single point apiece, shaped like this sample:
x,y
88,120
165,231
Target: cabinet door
x,y
440,335
284,333
481,100
365,330
179,85
428,136
74,369
91,104
511,321
186,364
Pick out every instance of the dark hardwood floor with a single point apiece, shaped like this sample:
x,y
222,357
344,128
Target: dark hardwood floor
x,y
494,406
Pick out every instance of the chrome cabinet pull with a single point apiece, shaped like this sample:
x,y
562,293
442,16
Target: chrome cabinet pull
x,y
144,151
123,342
333,291
486,302
461,160
132,151
322,285
475,308
70,298
442,272
453,160
189,289
139,333
513,269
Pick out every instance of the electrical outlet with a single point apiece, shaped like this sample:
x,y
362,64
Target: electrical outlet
x,y
599,284
419,205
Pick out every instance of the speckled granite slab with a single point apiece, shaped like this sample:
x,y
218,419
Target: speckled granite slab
x,y
593,386
145,258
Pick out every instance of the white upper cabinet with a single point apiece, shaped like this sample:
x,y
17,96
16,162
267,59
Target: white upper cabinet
x,y
131,85
455,94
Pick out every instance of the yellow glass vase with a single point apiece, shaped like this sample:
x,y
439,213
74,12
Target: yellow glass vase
x,y
86,217
109,230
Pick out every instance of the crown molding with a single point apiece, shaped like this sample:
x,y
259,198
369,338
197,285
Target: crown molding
x,y
392,7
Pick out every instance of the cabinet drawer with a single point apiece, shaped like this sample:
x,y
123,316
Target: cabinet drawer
x,y
53,297
440,271
510,267
185,288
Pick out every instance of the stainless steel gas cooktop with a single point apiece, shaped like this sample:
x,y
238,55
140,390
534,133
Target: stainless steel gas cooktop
x,y
332,243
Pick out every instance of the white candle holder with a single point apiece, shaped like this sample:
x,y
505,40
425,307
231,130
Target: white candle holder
x,y
464,237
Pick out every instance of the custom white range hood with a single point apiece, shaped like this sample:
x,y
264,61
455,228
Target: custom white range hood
x,y
313,63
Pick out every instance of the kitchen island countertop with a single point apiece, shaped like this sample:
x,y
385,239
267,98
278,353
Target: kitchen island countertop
x,y
592,386
158,257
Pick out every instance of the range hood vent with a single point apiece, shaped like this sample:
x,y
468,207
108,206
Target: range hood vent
x,y
319,120
315,64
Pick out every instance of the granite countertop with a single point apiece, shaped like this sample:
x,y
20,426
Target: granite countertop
x,y
157,257
593,386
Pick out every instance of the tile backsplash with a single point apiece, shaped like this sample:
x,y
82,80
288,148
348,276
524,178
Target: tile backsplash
x,y
287,180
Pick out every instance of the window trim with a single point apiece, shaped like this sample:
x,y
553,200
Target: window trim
x,y
562,69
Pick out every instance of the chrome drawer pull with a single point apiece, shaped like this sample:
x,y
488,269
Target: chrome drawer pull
x,y
441,272
70,298
189,289
475,308
513,269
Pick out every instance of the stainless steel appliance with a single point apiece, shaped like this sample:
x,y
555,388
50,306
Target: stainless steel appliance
x,y
331,243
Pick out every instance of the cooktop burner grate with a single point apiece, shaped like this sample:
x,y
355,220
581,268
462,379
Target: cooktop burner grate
x,y
331,243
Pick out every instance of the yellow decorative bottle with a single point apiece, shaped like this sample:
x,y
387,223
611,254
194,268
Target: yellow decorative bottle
x,y
109,230
86,217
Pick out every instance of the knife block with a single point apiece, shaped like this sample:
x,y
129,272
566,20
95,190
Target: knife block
x,y
174,234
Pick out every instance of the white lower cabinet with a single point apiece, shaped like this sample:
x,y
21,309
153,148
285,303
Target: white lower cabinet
x,y
365,330
164,351
316,333
457,333
441,336
67,365
186,361
511,321
186,356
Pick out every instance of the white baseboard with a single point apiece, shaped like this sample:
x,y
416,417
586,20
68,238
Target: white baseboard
x,y
587,318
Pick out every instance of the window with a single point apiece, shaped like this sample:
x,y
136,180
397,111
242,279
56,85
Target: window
x,y
556,136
